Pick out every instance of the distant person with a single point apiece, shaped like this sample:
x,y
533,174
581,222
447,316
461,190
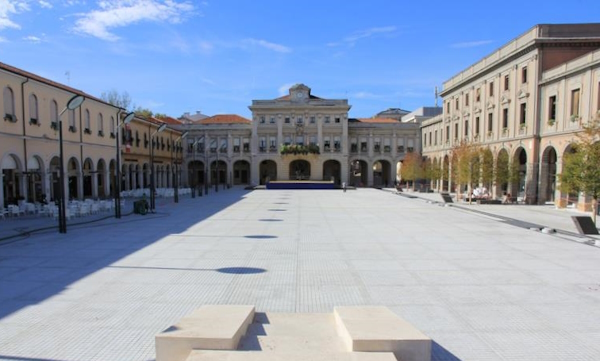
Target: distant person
x,y
344,186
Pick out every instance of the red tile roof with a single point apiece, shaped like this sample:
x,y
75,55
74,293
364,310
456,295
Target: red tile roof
x,y
377,120
225,119
169,120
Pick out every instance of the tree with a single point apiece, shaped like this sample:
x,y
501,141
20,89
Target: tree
x,y
143,112
580,171
122,100
411,168
466,165
487,167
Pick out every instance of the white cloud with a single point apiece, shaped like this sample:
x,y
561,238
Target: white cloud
x,y
208,81
120,13
2,40
268,45
350,40
471,44
9,8
32,39
365,95
45,4
285,89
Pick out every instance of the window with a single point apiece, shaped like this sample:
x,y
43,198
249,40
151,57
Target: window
x,y
448,107
400,146
9,105
363,144
246,145
262,144
429,138
100,121
113,132
272,120
466,128
491,91
71,117
223,146
337,120
506,82
476,125
466,100
377,144
327,119
272,144
287,120
523,114
287,140
435,138
478,94
33,109
387,147
552,108
490,125
504,118
300,140
313,140
411,146
299,120
337,143
326,144
524,75
312,120
262,119
575,103
54,114
456,104
456,131
87,122
447,133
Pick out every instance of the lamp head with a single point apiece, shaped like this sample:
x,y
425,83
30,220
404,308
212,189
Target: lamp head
x,y
75,102
162,127
184,134
128,118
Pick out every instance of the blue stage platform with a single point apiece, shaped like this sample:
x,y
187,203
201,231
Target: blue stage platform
x,y
300,185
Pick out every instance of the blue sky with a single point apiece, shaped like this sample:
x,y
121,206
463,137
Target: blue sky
x,y
180,56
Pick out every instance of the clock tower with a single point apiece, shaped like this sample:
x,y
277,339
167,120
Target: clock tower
x,y
299,92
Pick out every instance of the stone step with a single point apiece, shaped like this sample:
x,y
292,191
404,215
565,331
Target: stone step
x,y
218,327
377,328
209,355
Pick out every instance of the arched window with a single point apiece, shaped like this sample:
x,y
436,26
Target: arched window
x,y
87,122
112,127
9,105
53,114
72,127
33,109
100,125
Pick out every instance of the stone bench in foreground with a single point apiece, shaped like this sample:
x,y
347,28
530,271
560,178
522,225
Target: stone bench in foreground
x,y
377,329
209,327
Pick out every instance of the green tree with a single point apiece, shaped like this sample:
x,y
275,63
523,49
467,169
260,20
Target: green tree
x,y
143,112
466,166
581,170
487,167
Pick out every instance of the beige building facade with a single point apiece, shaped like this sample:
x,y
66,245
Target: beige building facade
x,y
503,102
29,143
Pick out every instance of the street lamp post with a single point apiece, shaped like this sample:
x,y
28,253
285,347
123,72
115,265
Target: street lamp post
x,y
152,182
72,104
125,121
194,175
176,183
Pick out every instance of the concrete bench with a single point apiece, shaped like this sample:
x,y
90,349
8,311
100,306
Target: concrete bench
x,y
205,355
377,329
209,328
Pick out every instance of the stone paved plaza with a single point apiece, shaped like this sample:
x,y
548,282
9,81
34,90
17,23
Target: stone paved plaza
x,y
480,288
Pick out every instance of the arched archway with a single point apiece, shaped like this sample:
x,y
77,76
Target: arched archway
x,y
445,173
54,173
73,178
381,173
101,176
88,171
241,172
35,186
520,172
299,170
548,176
358,173
218,172
11,179
268,171
332,169
195,173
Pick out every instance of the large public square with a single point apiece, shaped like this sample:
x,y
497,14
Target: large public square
x,y
476,279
